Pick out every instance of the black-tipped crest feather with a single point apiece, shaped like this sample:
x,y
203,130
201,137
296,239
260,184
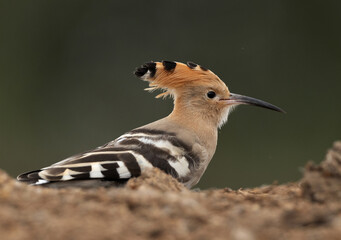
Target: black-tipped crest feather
x,y
192,65
203,68
150,66
169,65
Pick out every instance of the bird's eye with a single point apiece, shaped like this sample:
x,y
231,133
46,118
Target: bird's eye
x,y
211,94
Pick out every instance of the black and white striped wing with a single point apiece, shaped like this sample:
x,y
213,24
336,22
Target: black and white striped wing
x,y
123,158
109,165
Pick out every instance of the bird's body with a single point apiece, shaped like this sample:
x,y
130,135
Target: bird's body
x,y
181,144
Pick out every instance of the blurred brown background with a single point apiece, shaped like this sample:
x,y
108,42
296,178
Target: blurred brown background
x,y
66,82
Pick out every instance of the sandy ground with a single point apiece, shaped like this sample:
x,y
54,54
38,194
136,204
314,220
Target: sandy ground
x,y
156,206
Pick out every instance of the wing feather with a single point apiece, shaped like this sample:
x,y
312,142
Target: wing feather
x,y
126,157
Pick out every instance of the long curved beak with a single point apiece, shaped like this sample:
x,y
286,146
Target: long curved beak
x,y
235,99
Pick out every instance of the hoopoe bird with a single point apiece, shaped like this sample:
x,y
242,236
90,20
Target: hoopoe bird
x,y
181,144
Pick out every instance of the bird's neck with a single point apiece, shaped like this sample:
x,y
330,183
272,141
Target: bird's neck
x,y
194,116
195,122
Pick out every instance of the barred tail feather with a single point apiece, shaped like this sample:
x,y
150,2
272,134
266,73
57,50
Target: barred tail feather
x,y
31,177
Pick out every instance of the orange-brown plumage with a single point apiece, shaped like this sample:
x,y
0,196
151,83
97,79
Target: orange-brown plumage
x,y
180,76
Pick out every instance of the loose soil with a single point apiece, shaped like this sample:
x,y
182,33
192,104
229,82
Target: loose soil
x,y
156,206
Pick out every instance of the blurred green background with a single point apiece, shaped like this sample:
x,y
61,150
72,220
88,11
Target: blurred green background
x,y
66,82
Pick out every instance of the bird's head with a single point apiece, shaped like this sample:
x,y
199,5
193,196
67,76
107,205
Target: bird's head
x,y
197,91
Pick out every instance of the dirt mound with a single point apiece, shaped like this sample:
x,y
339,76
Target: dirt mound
x,y
156,206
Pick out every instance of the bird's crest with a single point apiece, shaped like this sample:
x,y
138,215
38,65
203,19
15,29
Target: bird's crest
x,y
169,75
